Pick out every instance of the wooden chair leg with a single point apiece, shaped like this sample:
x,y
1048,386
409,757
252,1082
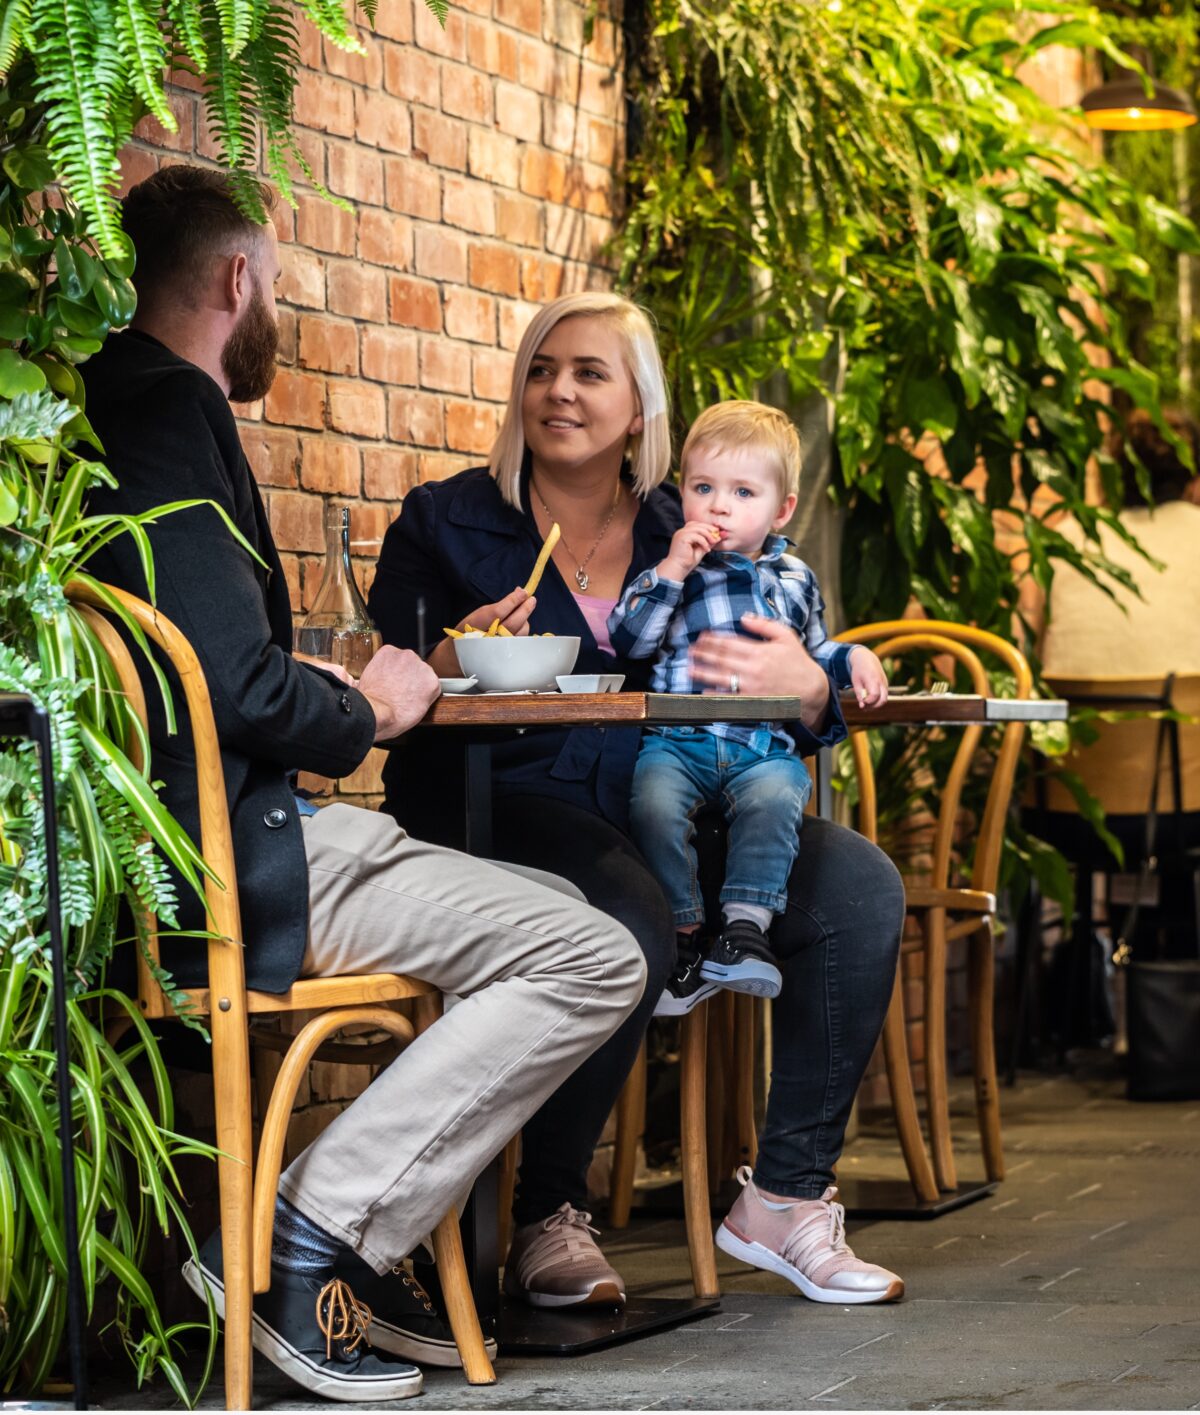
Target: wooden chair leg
x,y
982,978
745,1032
506,1189
279,1112
460,1305
235,1178
936,1082
692,1118
718,1093
904,1100
631,1121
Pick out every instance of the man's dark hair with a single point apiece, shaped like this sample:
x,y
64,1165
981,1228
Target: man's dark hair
x,y
1168,474
179,221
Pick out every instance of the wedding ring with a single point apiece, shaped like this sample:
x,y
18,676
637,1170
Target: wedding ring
x,y
735,683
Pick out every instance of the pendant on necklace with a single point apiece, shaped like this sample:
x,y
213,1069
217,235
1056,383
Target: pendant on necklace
x,y
582,580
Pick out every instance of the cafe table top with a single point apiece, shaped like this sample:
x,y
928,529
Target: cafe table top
x,y
552,709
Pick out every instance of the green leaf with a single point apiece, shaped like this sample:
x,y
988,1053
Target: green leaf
x,y
29,167
928,405
18,375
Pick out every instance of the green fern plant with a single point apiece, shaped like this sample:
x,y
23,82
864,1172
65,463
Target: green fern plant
x,y
99,65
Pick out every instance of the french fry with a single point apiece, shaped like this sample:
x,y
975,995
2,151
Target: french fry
x,y
452,633
539,569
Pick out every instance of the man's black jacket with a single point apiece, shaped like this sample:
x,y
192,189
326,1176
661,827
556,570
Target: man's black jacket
x,y
169,435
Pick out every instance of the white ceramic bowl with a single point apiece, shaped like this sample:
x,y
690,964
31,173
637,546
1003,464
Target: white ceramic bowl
x,y
510,665
590,682
456,685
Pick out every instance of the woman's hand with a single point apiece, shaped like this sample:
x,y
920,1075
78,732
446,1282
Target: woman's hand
x,y
774,664
513,612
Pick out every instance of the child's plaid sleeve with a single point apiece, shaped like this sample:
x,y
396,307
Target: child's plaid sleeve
x,y
639,623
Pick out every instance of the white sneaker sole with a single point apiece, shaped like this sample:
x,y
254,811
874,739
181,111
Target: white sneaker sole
x,y
671,1006
759,1257
604,1294
294,1364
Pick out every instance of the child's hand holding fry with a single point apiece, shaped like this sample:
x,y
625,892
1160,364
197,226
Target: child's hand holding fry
x,y
689,545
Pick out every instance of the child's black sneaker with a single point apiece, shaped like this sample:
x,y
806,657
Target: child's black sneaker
x,y
742,961
686,987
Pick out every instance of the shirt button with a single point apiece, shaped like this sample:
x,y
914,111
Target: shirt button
x,y
275,819
345,702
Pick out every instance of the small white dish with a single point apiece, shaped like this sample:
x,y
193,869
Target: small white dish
x,y
590,682
457,685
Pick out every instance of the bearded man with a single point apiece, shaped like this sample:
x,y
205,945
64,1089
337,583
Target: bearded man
x,y
545,979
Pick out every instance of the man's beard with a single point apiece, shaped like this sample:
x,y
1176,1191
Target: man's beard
x,y
248,358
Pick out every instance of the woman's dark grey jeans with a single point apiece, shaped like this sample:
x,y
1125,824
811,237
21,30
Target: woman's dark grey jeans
x,y
837,944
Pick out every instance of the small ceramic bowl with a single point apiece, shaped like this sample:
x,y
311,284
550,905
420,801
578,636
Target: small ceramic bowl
x,y
526,663
457,685
590,682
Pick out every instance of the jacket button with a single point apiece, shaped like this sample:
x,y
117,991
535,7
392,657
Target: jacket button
x,y
275,819
345,702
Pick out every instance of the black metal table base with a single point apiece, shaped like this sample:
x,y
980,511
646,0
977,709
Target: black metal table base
x,y
541,1331
894,1199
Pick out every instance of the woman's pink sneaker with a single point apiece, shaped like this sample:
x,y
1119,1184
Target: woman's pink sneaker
x,y
804,1242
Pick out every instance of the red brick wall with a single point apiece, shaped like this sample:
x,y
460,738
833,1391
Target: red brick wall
x,y
482,164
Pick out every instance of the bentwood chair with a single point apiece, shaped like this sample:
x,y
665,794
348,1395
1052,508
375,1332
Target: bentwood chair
x,y
948,911
247,1198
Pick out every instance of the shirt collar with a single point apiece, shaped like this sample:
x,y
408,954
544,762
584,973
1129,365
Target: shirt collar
x,y
773,547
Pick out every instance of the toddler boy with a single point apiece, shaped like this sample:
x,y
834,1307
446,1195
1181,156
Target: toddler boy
x,y
740,472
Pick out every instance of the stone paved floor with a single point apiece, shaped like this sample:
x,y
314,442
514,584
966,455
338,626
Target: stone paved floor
x,y
1075,1287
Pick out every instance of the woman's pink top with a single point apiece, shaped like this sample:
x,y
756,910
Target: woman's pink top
x,y
595,609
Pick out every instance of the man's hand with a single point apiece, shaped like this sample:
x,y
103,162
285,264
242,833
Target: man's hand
x,y
689,545
325,666
867,678
400,688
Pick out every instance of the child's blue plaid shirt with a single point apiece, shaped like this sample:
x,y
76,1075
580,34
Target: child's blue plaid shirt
x,y
667,616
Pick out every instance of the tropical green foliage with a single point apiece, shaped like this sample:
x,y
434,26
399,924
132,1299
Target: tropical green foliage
x,y
101,65
874,180
59,296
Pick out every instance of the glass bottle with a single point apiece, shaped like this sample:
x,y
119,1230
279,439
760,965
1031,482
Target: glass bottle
x,y
338,627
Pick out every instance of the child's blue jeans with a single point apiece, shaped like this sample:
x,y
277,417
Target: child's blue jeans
x,y
681,769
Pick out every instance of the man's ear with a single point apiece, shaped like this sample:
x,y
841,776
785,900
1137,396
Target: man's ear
x,y
786,509
237,283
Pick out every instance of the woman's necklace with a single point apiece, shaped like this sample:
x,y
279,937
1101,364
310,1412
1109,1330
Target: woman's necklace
x,y
581,576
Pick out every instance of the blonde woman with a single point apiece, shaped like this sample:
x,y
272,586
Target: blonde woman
x,y
585,443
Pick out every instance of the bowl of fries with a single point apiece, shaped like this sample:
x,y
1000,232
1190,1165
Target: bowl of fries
x,y
513,664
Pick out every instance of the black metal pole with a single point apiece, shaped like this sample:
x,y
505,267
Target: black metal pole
x,y
20,716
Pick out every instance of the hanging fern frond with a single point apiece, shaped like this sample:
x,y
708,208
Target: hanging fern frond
x,y
439,9
79,73
235,20
329,17
143,47
13,24
186,20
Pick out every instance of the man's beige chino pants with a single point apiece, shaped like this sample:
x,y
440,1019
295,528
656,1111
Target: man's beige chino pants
x,y
544,980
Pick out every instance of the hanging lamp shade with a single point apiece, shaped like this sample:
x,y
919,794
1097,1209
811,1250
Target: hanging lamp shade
x,y
1124,106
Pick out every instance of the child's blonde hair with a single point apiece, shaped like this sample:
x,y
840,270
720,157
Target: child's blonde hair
x,y
649,451
740,423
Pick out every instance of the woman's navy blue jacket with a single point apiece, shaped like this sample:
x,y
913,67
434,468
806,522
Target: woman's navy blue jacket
x,y
459,545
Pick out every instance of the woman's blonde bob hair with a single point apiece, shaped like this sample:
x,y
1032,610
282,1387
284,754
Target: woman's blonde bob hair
x,y
650,450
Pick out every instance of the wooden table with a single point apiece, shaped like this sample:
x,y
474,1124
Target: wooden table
x,y
527,1331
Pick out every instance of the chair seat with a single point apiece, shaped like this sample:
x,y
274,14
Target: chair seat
x,y
343,991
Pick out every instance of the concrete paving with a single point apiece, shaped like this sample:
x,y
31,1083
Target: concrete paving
x,y
1075,1287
